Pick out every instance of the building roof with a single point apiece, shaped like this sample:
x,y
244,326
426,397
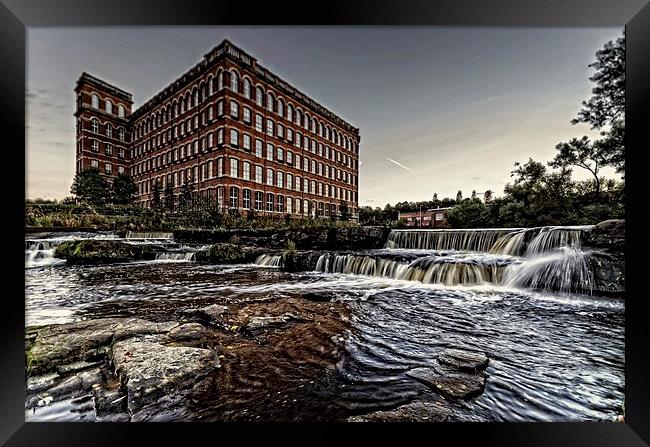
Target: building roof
x,y
93,80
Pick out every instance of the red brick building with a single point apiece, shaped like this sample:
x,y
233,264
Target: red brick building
x,y
234,131
433,218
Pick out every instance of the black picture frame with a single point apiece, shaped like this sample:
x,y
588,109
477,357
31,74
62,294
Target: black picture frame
x,y
17,15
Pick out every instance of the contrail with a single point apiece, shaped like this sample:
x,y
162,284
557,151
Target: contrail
x,y
399,164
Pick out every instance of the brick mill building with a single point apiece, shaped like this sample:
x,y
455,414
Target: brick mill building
x,y
234,131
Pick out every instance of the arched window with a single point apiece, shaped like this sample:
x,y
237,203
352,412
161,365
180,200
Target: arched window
x,y
109,106
220,80
210,86
94,126
234,81
280,107
95,101
247,88
259,96
290,113
195,101
120,111
298,117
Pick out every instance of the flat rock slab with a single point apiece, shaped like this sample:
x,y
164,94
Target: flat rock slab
x,y
456,385
149,370
259,324
187,332
413,412
66,344
464,360
210,314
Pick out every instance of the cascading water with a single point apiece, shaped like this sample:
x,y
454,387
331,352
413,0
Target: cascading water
x,y
157,235
269,260
175,256
543,258
40,253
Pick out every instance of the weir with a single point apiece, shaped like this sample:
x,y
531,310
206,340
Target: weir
x,y
156,235
269,260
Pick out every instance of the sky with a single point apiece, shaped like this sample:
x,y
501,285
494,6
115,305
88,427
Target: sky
x,y
439,108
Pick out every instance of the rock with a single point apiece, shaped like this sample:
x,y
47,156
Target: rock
x,y
90,378
64,344
150,370
189,332
76,366
413,412
226,253
116,417
607,235
453,384
41,383
209,314
72,386
257,325
464,360
101,251
300,261
108,401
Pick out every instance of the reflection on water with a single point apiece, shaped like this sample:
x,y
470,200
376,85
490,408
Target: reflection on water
x,y
553,356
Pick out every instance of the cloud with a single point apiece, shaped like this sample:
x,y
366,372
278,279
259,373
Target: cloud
x,y
400,164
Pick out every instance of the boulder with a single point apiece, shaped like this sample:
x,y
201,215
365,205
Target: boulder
x,y
101,251
413,412
150,371
464,360
212,314
450,383
226,253
257,325
187,332
608,235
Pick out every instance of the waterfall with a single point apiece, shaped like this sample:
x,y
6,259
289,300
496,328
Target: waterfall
x,y
473,240
175,256
40,253
550,238
269,260
149,235
427,270
511,244
566,269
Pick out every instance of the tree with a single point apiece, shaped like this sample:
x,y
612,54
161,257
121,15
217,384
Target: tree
x,y
459,196
169,197
157,197
345,211
487,196
88,185
584,154
124,189
187,194
473,194
605,110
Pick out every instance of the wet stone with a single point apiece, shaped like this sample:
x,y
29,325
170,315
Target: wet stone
x,y
212,314
41,383
256,325
413,412
187,332
464,360
450,383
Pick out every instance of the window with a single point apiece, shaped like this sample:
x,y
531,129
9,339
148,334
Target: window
x,y
298,183
94,126
220,108
210,169
298,138
211,139
439,216
297,161
305,186
246,171
305,165
258,174
210,115
290,113
289,205
258,148
120,169
246,198
258,200
280,108
269,127
246,141
280,202
259,122
234,168
108,168
247,115
279,179
280,131
220,135
298,206
109,149
94,101
289,134
269,202
95,146
234,197
247,88
121,133
234,137
219,167
259,96
234,109
94,164
109,130
289,181
234,81
280,154
108,106
220,80
269,151
269,177
312,187
121,152
289,157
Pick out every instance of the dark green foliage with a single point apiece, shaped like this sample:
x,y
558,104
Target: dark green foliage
x,y
344,211
89,186
124,189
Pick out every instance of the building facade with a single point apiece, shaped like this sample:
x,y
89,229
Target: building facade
x,y
432,218
231,130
